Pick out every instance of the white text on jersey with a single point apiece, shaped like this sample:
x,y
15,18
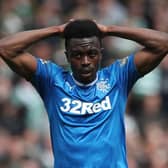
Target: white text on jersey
x,y
79,107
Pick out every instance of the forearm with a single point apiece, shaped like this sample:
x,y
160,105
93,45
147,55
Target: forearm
x,y
11,45
152,39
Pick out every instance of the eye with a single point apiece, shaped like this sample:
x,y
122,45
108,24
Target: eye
x,y
75,54
93,53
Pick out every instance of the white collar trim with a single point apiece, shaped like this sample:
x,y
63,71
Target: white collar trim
x,y
84,85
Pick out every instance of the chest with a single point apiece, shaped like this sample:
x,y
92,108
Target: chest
x,y
73,99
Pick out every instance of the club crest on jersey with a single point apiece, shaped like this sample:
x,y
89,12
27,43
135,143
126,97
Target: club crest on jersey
x,y
103,85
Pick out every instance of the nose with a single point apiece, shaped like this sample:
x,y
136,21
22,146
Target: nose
x,y
85,60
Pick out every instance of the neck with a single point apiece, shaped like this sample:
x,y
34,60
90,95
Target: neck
x,y
83,84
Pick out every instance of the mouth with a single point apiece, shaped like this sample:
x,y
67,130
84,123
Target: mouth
x,y
86,70
86,73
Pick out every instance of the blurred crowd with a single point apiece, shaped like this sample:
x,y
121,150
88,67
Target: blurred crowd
x,y
24,128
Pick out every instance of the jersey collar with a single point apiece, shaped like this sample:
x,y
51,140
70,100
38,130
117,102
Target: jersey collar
x,y
84,85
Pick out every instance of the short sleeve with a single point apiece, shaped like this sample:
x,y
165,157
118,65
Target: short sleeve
x,y
126,73
42,79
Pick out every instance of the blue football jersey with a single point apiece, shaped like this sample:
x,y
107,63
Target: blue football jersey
x,y
87,121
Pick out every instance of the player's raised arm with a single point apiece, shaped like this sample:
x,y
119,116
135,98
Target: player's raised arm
x,y
155,44
12,49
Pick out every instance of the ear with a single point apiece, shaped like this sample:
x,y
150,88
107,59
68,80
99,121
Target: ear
x,y
67,55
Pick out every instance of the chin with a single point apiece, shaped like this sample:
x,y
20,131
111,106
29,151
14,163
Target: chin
x,y
87,79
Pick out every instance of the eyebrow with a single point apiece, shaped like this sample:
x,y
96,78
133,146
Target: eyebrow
x,y
90,48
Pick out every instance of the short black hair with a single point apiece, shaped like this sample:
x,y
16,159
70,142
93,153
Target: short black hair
x,y
81,28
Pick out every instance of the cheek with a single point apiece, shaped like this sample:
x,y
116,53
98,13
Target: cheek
x,y
74,65
97,64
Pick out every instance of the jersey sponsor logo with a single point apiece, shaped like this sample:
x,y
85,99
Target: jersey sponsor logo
x,y
79,107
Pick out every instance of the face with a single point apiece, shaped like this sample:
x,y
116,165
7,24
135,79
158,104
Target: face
x,y
84,56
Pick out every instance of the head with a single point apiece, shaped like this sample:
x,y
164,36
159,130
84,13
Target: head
x,y
83,49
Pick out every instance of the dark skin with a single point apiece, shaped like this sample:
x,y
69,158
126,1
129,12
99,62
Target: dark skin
x,y
12,50
84,56
155,44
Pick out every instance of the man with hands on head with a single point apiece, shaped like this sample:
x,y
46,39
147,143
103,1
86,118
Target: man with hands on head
x,y
85,106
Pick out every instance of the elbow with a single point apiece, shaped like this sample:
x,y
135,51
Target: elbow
x,y
6,53
2,52
165,45
161,48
